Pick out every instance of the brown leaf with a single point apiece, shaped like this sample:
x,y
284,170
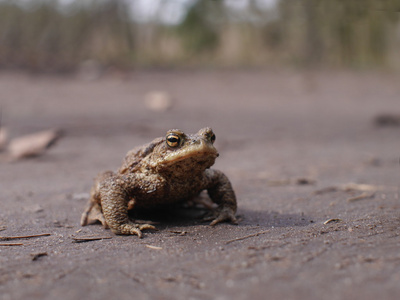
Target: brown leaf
x,y
3,138
33,144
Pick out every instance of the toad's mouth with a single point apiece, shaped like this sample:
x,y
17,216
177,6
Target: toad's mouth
x,y
200,151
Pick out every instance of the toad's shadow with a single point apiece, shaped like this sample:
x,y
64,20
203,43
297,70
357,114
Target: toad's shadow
x,y
270,219
169,216
180,216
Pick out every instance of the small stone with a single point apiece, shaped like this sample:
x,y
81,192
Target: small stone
x,y
158,101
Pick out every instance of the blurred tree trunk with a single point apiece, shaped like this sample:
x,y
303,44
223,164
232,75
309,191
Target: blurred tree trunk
x,y
313,42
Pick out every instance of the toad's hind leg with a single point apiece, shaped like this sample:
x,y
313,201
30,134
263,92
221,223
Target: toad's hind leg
x,y
93,211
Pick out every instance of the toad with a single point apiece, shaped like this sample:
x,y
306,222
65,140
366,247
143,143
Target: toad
x,y
167,171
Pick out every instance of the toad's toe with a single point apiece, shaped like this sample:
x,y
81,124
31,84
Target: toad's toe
x,y
147,226
223,215
134,229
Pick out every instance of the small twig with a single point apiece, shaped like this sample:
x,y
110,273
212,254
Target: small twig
x,y
36,256
177,232
90,238
11,244
3,227
246,237
153,247
332,221
329,189
6,238
365,195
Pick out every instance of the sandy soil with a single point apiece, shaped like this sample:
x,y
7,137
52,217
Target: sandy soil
x,y
284,138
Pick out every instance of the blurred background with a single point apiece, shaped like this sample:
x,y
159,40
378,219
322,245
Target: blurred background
x,y
63,35
303,96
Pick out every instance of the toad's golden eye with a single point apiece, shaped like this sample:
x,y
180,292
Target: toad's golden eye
x,y
173,140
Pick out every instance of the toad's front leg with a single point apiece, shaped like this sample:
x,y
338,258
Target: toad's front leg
x,y
115,193
221,192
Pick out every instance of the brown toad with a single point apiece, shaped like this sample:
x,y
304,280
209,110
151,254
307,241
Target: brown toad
x,y
169,170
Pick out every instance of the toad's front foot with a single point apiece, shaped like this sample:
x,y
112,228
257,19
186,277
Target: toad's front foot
x,y
221,215
132,228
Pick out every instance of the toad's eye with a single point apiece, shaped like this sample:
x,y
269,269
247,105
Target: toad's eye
x,y
212,138
173,140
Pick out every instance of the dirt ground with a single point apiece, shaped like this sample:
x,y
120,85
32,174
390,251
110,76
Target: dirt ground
x,y
291,143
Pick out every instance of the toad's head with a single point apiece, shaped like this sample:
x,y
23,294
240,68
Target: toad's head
x,y
180,153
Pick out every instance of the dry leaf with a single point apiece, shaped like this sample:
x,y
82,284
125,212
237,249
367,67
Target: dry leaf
x,y
359,187
33,144
3,138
